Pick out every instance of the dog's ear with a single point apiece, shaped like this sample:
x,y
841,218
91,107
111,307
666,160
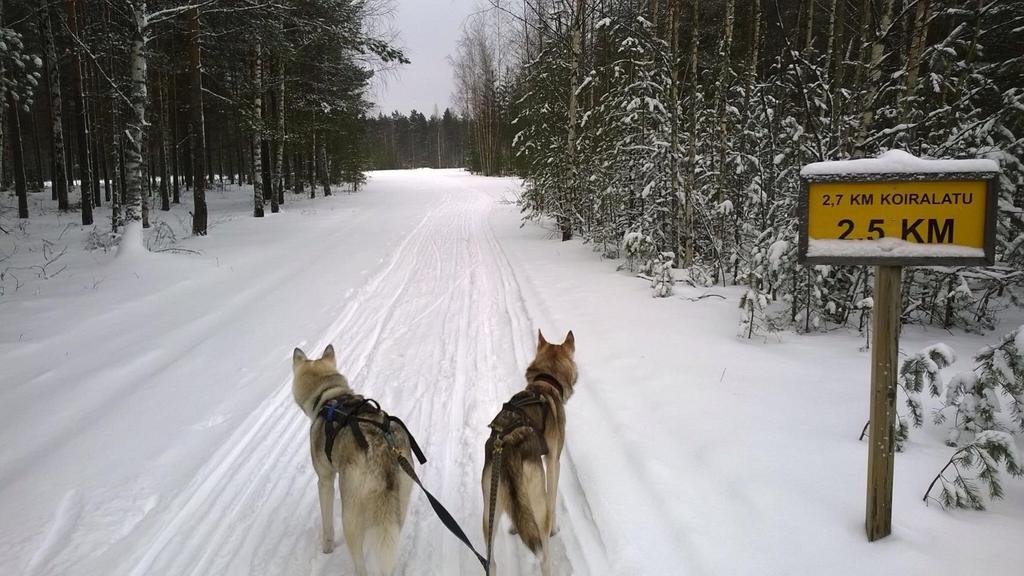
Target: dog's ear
x,y
329,355
570,343
298,356
541,342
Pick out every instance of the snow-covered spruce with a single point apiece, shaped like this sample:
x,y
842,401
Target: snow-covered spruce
x,y
662,279
977,463
918,372
697,139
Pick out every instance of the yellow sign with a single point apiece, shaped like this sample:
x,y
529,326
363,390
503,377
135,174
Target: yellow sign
x,y
921,212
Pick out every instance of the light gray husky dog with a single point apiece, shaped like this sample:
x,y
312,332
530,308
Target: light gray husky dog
x,y
374,492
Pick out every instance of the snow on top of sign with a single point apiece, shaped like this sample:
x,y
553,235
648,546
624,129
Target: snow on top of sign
x,y
898,162
888,248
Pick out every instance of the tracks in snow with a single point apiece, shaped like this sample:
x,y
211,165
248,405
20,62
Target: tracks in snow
x,y
440,337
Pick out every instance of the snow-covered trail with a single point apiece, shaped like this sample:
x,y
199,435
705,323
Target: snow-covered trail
x,y
440,335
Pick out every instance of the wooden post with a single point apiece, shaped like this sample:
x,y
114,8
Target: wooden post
x,y
884,366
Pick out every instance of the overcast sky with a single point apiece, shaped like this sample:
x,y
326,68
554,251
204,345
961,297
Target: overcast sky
x,y
429,30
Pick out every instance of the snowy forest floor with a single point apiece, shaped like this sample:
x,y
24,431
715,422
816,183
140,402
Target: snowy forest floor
x,y
147,425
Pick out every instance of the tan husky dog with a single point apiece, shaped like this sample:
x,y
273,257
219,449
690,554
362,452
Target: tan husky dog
x,y
531,425
374,492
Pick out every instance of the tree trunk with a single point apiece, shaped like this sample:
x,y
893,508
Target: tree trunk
x,y
133,204
240,153
81,118
865,33
830,48
13,140
117,152
220,160
173,150
918,36
95,141
298,167
312,169
165,196
268,174
257,129
114,176
691,176
576,47
197,126
874,66
279,169
289,180
208,158
721,113
37,144
266,150
60,178
809,41
325,170
673,34
836,62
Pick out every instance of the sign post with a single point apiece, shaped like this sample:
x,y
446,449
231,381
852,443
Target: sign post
x,y
882,426
889,212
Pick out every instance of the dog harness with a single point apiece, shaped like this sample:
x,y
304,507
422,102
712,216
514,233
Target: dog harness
x,y
350,411
513,416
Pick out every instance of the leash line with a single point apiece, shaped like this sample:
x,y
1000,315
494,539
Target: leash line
x,y
493,504
442,513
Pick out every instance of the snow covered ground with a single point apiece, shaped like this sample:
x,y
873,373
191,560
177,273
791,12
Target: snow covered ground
x,y
147,427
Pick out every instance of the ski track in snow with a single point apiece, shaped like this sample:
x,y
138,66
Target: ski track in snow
x,y
441,337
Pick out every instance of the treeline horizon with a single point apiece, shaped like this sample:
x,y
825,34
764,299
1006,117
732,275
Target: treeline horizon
x,y
414,140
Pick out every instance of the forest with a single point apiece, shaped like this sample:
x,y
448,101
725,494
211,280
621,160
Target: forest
x,y
399,141
663,132
136,103
672,133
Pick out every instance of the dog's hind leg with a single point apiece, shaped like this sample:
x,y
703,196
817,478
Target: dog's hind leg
x,y
325,486
529,508
545,555
553,461
355,534
387,547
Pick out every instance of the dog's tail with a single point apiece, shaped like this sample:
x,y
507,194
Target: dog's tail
x,y
523,477
385,548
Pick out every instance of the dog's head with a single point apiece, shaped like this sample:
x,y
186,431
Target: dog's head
x,y
558,360
302,366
